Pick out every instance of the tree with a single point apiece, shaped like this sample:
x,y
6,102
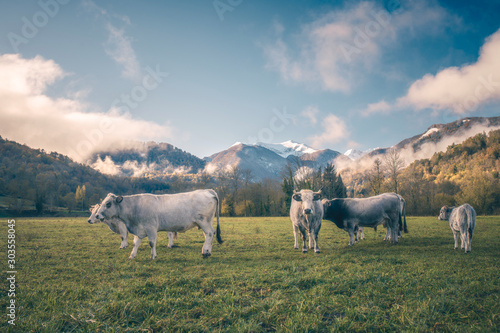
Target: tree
x,y
393,164
375,177
80,195
329,181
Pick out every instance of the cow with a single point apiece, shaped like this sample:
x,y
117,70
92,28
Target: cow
x,y
120,228
146,214
462,220
306,213
351,213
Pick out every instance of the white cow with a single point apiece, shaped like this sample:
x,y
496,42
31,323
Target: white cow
x,y
306,213
146,214
462,220
120,228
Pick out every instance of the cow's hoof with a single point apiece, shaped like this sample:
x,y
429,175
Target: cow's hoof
x,y
304,251
206,255
317,251
296,248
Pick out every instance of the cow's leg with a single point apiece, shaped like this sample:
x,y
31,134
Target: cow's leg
x,y
209,233
311,236
469,238
170,240
124,235
137,242
356,234
455,235
316,245
387,234
394,233
304,240
362,233
351,237
152,236
296,236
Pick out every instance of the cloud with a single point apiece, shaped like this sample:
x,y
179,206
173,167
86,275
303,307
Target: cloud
x,y
310,113
69,126
118,46
340,47
379,107
334,131
461,89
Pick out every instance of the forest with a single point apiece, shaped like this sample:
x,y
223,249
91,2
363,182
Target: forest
x,y
34,182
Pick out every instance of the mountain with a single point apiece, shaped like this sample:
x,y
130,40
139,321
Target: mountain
x,y
267,160
263,162
148,158
435,139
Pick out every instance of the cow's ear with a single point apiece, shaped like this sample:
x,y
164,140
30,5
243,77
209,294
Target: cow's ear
x,y
91,209
317,196
297,197
119,199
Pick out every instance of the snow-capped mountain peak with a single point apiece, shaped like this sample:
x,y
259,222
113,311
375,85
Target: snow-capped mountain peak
x,y
354,154
287,148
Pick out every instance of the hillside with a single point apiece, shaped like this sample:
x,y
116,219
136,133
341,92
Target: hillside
x,y
146,159
33,179
468,172
464,173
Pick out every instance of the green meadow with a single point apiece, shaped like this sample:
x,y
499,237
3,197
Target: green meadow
x,y
72,277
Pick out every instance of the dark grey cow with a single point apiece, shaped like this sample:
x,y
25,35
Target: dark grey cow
x,y
462,220
146,214
351,213
306,213
120,228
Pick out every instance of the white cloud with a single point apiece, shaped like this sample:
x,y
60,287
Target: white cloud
x,y
340,47
118,46
29,116
461,89
334,131
379,107
310,113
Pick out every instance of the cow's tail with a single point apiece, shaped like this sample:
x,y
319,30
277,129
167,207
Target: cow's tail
x,y
219,238
471,220
404,216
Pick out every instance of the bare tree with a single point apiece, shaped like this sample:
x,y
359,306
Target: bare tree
x,y
393,164
375,177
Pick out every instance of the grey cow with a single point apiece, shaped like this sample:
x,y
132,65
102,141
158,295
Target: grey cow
x,y
146,214
306,213
462,220
351,213
120,228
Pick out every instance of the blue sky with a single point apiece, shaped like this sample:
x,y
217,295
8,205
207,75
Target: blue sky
x,y
78,75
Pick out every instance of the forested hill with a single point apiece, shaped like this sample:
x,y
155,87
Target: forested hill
x,y
146,158
468,172
33,179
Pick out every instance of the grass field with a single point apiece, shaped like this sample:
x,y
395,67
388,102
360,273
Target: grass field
x,y
72,277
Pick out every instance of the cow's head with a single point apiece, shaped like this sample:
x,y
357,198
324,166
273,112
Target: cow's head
x,y
306,197
445,213
93,211
109,207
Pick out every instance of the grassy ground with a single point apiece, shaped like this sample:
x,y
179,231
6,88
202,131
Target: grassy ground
x,y
72,277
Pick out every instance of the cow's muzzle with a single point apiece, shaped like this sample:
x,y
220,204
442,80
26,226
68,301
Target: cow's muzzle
x,y
307,211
